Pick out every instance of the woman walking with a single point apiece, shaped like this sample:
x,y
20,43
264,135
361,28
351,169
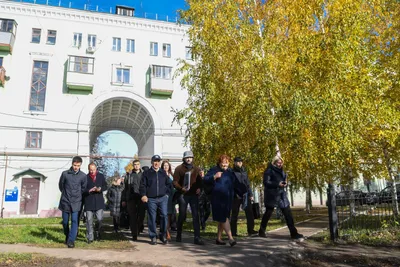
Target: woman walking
x,y
166,166
114,194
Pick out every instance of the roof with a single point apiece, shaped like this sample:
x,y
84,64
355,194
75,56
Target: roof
x,y
28,172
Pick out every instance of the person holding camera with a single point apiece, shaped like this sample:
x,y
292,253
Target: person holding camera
x,y
275,181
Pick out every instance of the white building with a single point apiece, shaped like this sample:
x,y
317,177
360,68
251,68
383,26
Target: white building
x,y
68,76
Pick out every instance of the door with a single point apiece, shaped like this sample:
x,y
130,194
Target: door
x,y
29,196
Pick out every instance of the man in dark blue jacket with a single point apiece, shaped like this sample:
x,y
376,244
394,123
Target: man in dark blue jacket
x,y
72,184
245,200
154,189
94,201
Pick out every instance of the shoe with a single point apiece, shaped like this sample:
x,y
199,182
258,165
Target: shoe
x,y
89,241
261,233
164,241
221,243
178,237
66,240
134,238
71,244
297,236
232,242
153,241
198,241
252,232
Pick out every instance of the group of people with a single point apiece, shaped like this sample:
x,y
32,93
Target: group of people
x,y
157,189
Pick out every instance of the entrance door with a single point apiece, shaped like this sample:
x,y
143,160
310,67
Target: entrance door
x,y
29,196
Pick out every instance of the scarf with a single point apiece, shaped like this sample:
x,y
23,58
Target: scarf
x,y
93,176
188,166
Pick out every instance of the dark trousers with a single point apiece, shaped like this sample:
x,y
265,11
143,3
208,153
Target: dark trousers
x,y
116,222
204,209
70,234
153,205
136,213
287,213
235,212
193,201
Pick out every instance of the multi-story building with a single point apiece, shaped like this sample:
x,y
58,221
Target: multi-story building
x,y
69,75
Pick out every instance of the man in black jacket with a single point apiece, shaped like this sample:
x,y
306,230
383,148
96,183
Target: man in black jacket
x,y
154,189
72,184
275,180
132,199
245,200
94,201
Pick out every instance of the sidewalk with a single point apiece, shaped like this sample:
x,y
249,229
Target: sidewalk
x,y
252,251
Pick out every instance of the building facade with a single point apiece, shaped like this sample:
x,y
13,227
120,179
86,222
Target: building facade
x,y
69,75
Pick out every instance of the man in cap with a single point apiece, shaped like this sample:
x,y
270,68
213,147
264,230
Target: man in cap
x,y
154,189
245,200
188,181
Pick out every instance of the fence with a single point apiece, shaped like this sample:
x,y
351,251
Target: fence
x,y
100,9
352,211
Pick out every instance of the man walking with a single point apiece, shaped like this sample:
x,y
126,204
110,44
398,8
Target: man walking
x,y
154,189
132,199
72,184
245,200
188,181
94,202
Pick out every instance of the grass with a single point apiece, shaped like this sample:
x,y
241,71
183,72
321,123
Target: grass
x,y
30,221
18,259
49,232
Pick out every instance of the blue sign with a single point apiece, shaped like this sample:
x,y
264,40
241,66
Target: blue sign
x,y
11,195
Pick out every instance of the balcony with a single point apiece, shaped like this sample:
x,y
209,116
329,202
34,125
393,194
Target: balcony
x,y
8,30
80,78
161,81
2,76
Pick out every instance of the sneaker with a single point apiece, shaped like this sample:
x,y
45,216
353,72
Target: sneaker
x,y
71,244
164,241
178,237
153,241
198,241
261,233
297,236
232,242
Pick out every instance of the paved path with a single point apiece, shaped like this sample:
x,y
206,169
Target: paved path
x,y
252,251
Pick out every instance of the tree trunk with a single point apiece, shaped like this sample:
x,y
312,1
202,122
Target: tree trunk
x,y
308,194
321,200
395,204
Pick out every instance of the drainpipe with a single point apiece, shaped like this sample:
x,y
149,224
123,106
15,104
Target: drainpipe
x,y
4,187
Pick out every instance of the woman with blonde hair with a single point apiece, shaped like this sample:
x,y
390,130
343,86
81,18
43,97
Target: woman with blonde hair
x,y
225,187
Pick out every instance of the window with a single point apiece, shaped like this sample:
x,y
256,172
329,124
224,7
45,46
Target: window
x,y
166,50
77,40
153,49
188,53
33,140
123,75
91,40
125,11
116,44
162,72
6,25
36,36
38,85
130,46
81,64
51,37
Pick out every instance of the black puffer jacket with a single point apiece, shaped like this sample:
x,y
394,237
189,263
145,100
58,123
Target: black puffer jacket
x,y
273,194
72,185
243,181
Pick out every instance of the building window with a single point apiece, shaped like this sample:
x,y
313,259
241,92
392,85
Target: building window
x,y
33,140
125,11
6,25
130,46
81,64
38,85
188,53
51,37
116,44
166,50
153,49
123,75
77,40
92,40
36,33
162,72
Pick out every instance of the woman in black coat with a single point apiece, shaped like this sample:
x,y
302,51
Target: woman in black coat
x,y
274,195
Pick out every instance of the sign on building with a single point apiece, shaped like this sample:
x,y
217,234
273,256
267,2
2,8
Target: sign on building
x,y
11,195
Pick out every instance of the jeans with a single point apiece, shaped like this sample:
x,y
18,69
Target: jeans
x,y
136,214
193,201
235,212
70,234
89,223
287,213
154,204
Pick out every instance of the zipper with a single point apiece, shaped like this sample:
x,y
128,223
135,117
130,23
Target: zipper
x,y
157,182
